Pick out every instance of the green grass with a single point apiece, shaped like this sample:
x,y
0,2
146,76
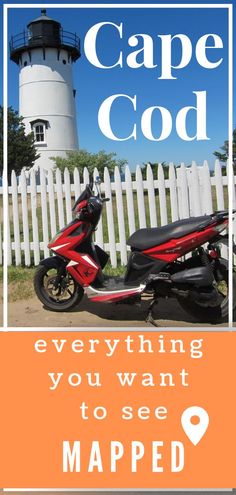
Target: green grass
x,y
20,283
18,274
114,272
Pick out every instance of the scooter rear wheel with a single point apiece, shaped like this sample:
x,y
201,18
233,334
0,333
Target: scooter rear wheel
x,y
67,295
209,314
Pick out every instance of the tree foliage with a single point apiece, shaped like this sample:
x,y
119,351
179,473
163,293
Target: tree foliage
x,y
154,167
83,158
21,150
223,155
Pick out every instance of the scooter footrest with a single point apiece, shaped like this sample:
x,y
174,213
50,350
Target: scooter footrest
x,y
103,294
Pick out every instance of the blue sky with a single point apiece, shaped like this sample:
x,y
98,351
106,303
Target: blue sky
x,y
95,85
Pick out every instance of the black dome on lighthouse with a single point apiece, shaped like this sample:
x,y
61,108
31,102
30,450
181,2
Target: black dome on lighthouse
x,y
43,18
44,32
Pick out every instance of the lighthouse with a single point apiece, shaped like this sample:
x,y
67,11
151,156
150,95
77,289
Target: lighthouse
x,y
45,54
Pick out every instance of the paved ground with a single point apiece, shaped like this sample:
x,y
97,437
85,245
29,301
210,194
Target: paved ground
x,y
31,313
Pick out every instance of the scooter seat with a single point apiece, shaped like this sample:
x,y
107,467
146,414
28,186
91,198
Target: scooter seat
x,y
147,238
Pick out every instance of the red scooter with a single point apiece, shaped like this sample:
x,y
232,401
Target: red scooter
x,y
155,268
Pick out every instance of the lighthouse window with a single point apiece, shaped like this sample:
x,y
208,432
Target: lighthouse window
x,y
39,132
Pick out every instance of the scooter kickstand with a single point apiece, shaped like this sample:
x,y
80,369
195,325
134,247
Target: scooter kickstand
x,y
150,318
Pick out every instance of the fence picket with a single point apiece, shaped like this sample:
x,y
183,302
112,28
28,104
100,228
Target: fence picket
x,y
99,231
44,212
129,200
120,216
162,195
24,204
173,193
151,197
219,186
110,218
9,251
60,199
183,193
194,191
67,195
35,229
190,194
86,177
207,205
77,186
16,219
140,198
51,198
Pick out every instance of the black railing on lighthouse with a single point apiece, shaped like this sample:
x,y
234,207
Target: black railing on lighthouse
x,y
25,39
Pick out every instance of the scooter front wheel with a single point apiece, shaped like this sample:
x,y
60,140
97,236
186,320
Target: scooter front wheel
x,y
56,295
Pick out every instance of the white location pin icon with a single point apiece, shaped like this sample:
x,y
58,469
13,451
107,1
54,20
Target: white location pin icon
x,y
195,431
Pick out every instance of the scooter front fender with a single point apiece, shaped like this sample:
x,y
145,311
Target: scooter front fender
x,y
53,262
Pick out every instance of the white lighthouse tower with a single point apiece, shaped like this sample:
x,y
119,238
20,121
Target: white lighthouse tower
x,y
45,54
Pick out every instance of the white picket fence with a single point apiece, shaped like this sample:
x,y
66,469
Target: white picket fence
x,y
38,211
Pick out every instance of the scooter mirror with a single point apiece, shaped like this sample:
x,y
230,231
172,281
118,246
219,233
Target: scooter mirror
x,y
89,187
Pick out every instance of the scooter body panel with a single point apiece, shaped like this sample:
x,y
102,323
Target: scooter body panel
x,y
170,251
81,265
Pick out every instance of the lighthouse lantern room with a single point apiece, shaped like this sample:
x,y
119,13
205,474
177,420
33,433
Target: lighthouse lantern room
x,y
45,54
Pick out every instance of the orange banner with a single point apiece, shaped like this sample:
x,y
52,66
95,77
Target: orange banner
x,y
117,410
